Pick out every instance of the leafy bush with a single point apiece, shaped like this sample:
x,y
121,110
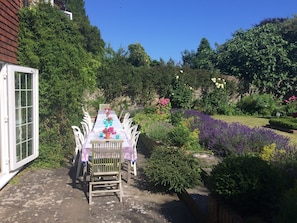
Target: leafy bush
x,y
259,104
181,94
179,136
248,184
285,122
159,130
144,120
176,116
173,169
52,43
290,106
288,206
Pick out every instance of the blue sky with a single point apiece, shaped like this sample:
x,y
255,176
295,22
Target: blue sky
x,y
165,28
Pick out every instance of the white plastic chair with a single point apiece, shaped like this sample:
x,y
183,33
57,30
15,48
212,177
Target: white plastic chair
x,y
130,131
79,140
134,141
126,116
127,124
85,128
87,119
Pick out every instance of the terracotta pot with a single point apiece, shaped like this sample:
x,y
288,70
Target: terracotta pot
x,y
107,135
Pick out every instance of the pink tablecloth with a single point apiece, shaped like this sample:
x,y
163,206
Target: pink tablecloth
x,y
128,152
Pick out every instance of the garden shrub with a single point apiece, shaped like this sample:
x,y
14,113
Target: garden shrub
x,y
290,106
284,122
144,120
259,104
181,94
288,207
173,169
159,130
248,184
179,136
176,116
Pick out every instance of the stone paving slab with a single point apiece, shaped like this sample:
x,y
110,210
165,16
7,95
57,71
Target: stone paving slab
x,y
49,196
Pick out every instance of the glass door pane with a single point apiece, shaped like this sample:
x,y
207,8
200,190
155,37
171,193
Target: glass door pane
x,y
23,115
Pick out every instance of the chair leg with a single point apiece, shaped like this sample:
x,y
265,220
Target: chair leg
x,y
121,192
133,164
90,193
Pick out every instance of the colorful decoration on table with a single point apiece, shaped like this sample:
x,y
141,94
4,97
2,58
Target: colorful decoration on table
x,y
109,118
109,130
107,111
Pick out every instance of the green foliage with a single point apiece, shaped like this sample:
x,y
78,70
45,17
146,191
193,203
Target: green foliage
x,y
144,120
260,57
176,117
215,97
181,94
259,104
288,207
173,169
284,122
204,56
91,36
290,106
137,55
179,136
159,130
50,42
249,184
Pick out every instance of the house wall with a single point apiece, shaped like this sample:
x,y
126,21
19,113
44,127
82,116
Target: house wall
x,y
9,26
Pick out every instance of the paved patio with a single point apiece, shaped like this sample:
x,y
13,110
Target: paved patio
x,y
49,196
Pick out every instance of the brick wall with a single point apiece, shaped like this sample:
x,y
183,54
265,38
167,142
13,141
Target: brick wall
x,y
9,25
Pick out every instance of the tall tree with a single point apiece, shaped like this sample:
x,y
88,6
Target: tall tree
x,y
259,56
188,58
204,56
137,55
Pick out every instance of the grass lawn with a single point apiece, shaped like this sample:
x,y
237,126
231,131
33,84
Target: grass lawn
x,y
255,122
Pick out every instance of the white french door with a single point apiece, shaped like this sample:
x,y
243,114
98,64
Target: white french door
x,y
22,104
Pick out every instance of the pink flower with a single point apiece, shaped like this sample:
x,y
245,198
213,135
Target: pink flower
x,y
109,130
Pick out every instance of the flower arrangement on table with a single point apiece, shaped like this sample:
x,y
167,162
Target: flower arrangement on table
x,y
109,130
107,111
109,118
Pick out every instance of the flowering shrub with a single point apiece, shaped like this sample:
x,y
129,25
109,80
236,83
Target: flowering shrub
x,y
163,106
225,139
214,99
291,106
181,95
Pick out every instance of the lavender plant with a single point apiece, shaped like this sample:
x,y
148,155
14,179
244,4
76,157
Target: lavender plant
x,y
225,139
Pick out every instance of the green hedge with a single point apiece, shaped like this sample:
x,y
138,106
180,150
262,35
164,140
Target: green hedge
x,y
286,122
